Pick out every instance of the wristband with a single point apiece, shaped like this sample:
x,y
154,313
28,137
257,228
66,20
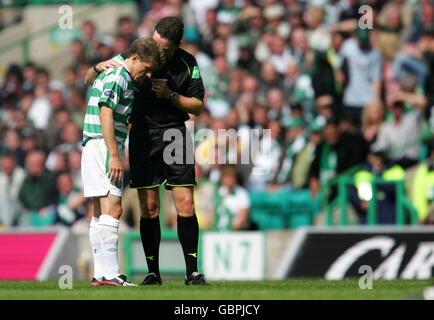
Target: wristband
x,y
94,68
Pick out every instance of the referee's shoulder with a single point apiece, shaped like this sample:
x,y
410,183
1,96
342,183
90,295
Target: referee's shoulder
x,y
187,57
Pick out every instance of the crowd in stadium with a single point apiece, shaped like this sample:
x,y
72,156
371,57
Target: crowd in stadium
x,y
334,94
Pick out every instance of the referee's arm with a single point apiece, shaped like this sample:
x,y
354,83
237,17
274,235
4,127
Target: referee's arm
x,y
190,105
94,71
187,104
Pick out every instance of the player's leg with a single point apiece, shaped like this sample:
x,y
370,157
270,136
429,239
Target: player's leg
x,y
111,209
92,167
150,232
95,242
188,232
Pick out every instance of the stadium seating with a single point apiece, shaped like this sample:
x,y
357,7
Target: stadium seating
x,y
284,209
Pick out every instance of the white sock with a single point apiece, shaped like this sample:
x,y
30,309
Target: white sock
x,y
108,230
95,242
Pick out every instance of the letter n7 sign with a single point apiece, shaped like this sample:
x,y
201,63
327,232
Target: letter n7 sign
x,y
233,255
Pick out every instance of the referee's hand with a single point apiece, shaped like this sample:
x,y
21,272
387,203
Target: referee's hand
x,y
105,65
115,169
159,86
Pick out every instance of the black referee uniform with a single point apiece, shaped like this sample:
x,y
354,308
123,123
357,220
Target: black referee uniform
x,y
152,116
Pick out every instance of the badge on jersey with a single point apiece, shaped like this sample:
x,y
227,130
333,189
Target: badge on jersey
x,y
109,93
196,73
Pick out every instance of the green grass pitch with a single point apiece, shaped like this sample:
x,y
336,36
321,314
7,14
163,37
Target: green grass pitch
x,y
291,289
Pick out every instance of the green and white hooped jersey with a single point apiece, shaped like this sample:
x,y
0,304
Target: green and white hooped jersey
x,y
113,87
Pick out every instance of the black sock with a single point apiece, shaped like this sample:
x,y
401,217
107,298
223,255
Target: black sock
x,y
188,235
151,236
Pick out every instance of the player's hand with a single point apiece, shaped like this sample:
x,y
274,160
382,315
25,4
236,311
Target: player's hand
x,y
159,86
115,169
105,65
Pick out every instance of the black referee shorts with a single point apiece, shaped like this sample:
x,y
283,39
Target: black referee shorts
x,y
161,156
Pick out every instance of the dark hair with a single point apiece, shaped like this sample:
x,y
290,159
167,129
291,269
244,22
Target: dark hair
x,y
171,28
398,104
124,19
43,71
332,121
7,154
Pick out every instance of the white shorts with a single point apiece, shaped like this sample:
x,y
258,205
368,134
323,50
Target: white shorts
x,y
94,169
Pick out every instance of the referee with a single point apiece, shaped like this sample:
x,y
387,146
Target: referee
x,y
161,103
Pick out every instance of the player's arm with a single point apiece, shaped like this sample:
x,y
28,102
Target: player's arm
x,y
112,90
94,71
108,132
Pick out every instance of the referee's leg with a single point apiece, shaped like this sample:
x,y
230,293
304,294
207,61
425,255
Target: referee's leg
x,y
187,226
150,231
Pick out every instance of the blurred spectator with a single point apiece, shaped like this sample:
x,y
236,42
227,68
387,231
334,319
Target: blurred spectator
x,y
390,36
12,86
77,105
126,30
70,135
70,203
280,54
120,45
29,76
89,39
11,178
40,110
319,37
278,108
335,60
208,31
105,50
74,166
361,194
397,135
294,142
269,78
304,159
422,194
362,64
57,120
232,203
372,119
12,147
326,109
77,53
351,135
30,140
38,192
227,11
266,157
397,15
247,61
332,156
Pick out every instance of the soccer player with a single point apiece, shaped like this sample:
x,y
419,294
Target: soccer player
x,y
163,103
104,133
